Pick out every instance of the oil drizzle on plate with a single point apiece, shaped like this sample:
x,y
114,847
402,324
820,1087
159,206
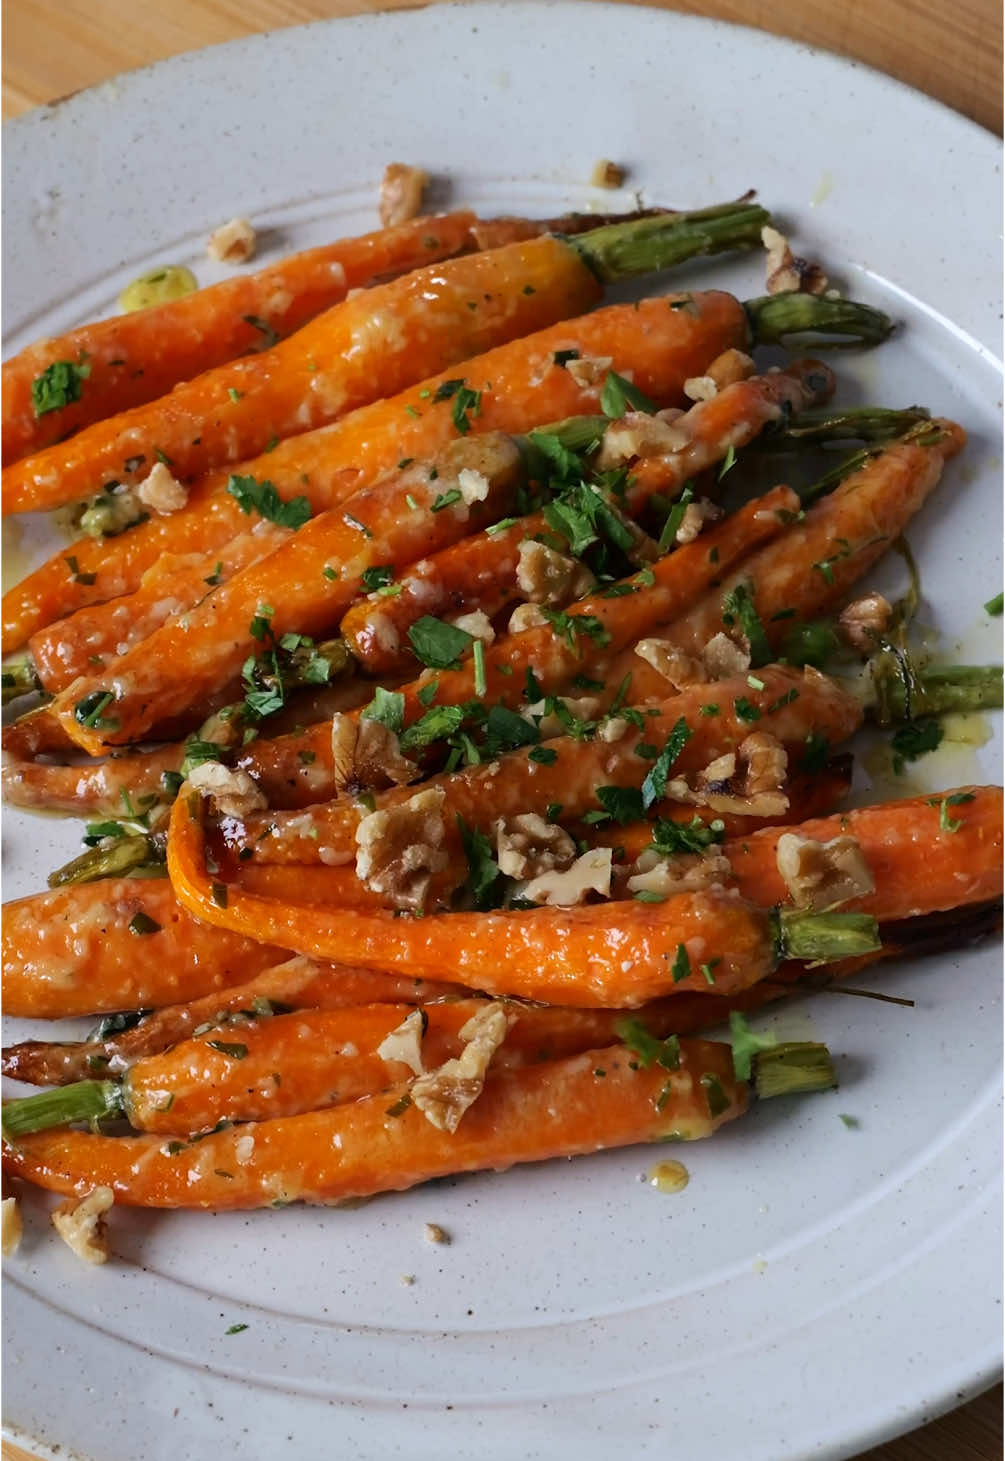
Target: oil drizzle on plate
x,y
669,1176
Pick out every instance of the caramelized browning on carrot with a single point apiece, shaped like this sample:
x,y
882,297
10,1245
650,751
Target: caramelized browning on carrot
x,y
559,1108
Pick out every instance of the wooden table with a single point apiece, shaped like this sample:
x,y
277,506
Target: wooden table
x,y
53,47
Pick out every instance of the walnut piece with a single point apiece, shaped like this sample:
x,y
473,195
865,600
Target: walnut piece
x,y
589,370
527,846
729,368
821,875
865,621
640,435
366,753
446,1093
545,576
404,1042
550,723
472,485
723,657
400,848
13,1227
674,664
701,387
233,793
433,1233
524,617
162,492
696,515
747,782
607,174
477,624
81,1224
686,873
401,190
590,873
233,242
785,272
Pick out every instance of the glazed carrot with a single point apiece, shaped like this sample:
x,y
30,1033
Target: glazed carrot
x,y
558,1108
135,357
368,346
662,346
480,572
83,789
72,951
513,783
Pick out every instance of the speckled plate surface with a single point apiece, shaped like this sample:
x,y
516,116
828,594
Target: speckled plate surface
x,y
816,1288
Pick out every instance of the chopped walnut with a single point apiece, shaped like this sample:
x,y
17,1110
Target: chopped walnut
x,y
81,1224
366,753
865,621
524,617
233,793
607,174
785,272
729,368
433,1233
613,729
687,873
162,492
723,768
823,874
747,782
404,1042
590,873
674,664
527,846
233,242
548,577
696,515
723,657
445,1094
477,624
401,190
640,435
473,486
766,763
589,370
550,723
12,1228
400,848
700,387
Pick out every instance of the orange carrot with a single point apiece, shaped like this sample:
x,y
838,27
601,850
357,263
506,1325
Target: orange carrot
x,y
520,384
90,787
558,1108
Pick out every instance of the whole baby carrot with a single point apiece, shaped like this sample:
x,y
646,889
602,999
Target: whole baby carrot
x,y
557,1108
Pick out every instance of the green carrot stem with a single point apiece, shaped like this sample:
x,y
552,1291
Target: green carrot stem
x,y
777,319
823,937
902,691
794,1068
124,855
81,1101
852,423
18,678
921,433
644,246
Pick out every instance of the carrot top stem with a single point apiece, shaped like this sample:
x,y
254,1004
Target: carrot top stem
x,y
793,1068
646,245
824,937
81,1101
113,859
785,319
18,678
901,691
848,423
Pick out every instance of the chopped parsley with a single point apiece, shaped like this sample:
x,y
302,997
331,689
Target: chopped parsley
x,y
483,870
570,626
141,923
744,710
715,1096
75,573
266,501
544,755
270,336
88,711
915,739
681,967
436,725
478,656
995,606
646,1047
562,357
815,755
387,707
675,517
655,785
465,400
622,803
437,643
377,577
738,608
618,394
728,462
672,838
505,730
57,386
236,1329
445,499
746,1045
235,1052
958,799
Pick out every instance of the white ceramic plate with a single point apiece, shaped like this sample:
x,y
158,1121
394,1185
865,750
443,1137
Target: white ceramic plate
x,y
815,1289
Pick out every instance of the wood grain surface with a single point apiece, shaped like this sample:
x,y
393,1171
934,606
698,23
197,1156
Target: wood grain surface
x,y
952,52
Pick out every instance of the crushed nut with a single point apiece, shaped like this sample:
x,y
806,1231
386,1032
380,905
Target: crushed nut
x,y
696,515
524,617
527,846
785,272
613,729
12,1227
607,174
748,781
700,387
766,763
590,873
433,1233
366,753
401,190
404,1042
233,793
676,666
162,492
550,723
821,875
722,769
548,577
865,621
477,624
445,1094
640,435
589,370
687,873
233,242
730,367
400,848
473,486
80,1222
723,657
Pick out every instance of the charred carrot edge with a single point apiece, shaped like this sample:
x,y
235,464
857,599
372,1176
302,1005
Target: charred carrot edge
x,y
662,346
558,1108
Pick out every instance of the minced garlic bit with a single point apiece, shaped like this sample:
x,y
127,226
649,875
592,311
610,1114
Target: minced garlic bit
x,y
675,665
865,621
527,846
445,1094
80,1222
161,491
401,190
640,435
433,1233
607,174
12,1228
477,624
404,1042
234,793
233,242
590,873
821,875
723,657
589,370
400,848
545,576
696,515
366,753
785,272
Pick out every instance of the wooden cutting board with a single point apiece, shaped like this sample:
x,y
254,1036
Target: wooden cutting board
x,y
952,53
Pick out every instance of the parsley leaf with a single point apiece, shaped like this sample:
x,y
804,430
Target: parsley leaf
x,y
655,785
671,838
738,608
57,386
483,870
618,394
816,753
437,643
265,499
505,730
387,707
648,1049
746,1045
681,967
377,577
958,799
270,336
435,725
570,626
913,740
623,803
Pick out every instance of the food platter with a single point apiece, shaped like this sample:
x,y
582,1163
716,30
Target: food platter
x,y
816,1288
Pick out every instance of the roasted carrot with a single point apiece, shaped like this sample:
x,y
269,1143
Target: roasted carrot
x,y
558,1108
